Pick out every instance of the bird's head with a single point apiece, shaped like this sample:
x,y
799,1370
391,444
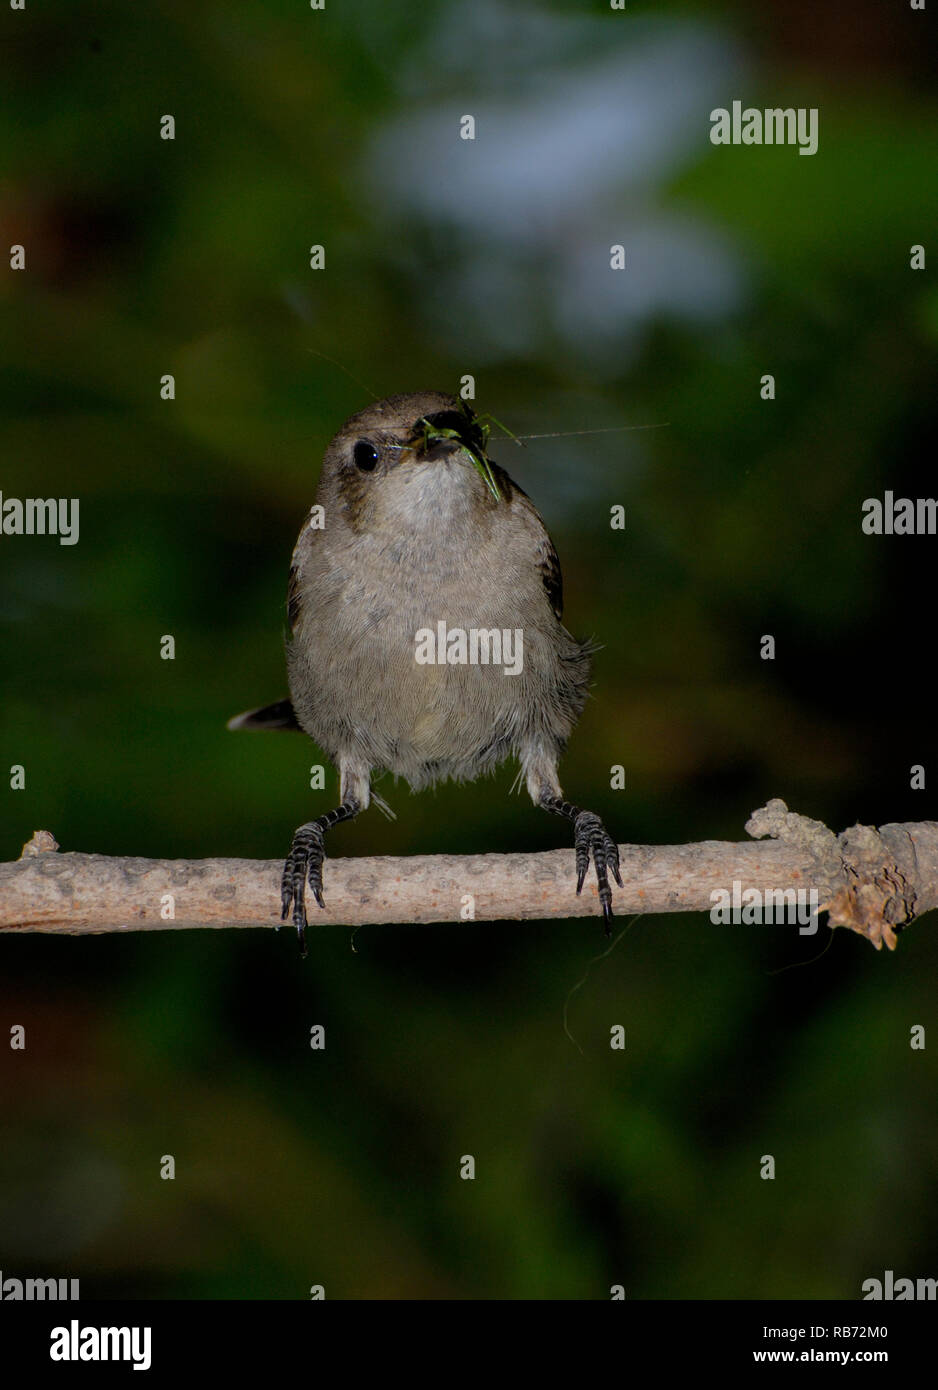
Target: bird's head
x,y
395,447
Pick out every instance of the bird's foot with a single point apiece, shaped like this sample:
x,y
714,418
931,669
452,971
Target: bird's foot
x,y
303,862
592,838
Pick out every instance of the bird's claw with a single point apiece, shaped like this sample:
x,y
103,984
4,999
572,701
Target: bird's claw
x,y
592,839
304,862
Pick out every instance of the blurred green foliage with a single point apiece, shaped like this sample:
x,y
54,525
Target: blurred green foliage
x,y
191,257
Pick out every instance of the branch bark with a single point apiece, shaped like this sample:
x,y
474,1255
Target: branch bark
x,y
873,881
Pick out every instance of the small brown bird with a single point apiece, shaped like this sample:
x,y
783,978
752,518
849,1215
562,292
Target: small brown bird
x,y
424,605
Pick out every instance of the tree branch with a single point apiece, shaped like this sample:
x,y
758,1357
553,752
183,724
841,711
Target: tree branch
x,y
873,881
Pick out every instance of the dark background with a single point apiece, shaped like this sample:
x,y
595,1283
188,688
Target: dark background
x,y
445,257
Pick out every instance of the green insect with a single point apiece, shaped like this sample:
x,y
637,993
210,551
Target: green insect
x,y
472,433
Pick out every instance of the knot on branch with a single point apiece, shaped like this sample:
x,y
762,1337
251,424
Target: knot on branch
x,y
876,896
775,820
865,874
41,842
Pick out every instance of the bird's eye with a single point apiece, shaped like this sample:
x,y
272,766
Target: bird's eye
x,y
365,455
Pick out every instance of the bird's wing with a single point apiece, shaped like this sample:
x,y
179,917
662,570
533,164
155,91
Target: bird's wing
x,y
551,577
545,555
293,596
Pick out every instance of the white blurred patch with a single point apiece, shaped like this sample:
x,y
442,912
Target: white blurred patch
x,y
580,122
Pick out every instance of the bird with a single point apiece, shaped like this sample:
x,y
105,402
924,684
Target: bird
x,y
420,552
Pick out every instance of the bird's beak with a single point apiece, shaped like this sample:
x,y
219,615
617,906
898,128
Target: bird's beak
x,y
431,450
449,432
428,442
